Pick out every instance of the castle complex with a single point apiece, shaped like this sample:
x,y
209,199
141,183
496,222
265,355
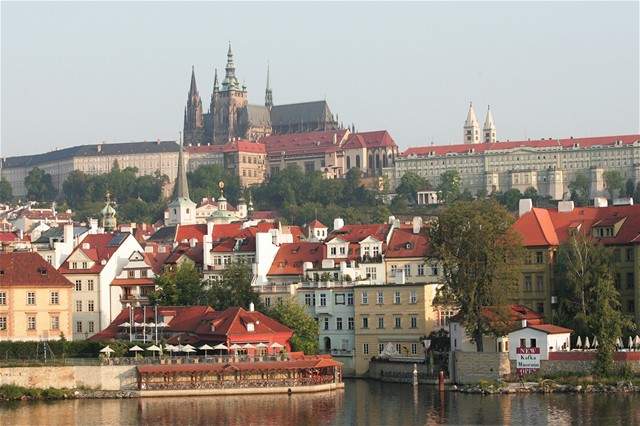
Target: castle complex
x,y
230,116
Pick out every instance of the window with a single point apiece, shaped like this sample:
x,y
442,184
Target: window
x,y
338,323
631,306
527,283
333,251
629,255
49,259
445,317
420,270
267,301
55,323
55,299
539,257
380,322
540,307
74,265
534,342
372,272
350,324
394,269
365,322
3,323
413,297
523,343
630,280
323,299
90,306
350,299
380,298
380,348
397,322
539,283
3,297
399,348
84,265
131,274
78,285
31,298
339,299
78,305
365,349
365,298
143,273
343,251
414,349
407,270
78,326
396,297
434,269
310,299
31,323
89,285
325,324
618,281
413,322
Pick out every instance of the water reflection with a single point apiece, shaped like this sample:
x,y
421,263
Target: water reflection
x,y
362,402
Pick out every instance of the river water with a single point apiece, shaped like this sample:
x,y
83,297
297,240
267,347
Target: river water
x,y
362,402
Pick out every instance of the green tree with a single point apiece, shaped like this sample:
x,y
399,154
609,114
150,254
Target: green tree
x,y
305,328
39,185
411,183
588,298
629,188
203,183
480,255
511,199
181,286
532,194
6,193
580,189
234,288
613,181
350,191
450,186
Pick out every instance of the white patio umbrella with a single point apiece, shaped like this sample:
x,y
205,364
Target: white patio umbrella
x,y
261,345
205,348
163,324
154,349
595,342
235,347
107,350
136,349
125,324
221,346
636,342
619,343
587,345
579,342
150,324
188,349
630,342
276,346
138,324
248,346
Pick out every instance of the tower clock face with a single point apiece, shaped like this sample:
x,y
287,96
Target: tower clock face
x,y
221,184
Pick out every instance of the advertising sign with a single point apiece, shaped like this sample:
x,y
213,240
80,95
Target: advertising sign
x,y
527,360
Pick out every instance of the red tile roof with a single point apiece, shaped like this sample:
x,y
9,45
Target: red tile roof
x,y
517,313
548,143
187,232
549,227
266,215
302,143
378,138
245,146
316,224
13,236
291,257
204,148
96,247
357,233
120,282
550,328
29,269
248,244
404,243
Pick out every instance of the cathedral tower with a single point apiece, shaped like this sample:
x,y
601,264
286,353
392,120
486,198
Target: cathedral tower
x,y
471,127
268,95
489,128
226,104
193,122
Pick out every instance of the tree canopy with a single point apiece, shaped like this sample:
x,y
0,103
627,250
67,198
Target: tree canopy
x,y
234,288
481,255
39,186
6,193
181,286
291,314
613,181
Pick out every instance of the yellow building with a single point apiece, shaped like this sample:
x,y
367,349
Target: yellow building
x,y
35,299
393,313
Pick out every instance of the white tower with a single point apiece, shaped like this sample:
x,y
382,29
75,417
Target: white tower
x,y
182,211
489,128
471,127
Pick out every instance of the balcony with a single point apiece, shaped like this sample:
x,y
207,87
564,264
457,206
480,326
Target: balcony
x,y
134,298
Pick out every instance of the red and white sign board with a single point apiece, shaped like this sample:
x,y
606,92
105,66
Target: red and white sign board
x,y
527,360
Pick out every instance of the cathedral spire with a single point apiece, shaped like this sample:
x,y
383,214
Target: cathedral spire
x,y
268,96
181,189
230,81
215,80
489,128
471,127
193,90
193,122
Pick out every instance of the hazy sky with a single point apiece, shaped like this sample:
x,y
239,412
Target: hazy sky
x,y
84,72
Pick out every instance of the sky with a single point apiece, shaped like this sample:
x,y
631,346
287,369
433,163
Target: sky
x,y
75,73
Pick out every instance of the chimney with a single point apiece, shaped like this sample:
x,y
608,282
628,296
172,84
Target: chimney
x,y
68,233
565,206
600,202
524,323
338,223
417,224
524,206
251,307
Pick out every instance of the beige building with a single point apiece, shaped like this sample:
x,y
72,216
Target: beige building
x,y
35,299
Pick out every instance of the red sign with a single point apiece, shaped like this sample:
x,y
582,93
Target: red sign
x,y
527,360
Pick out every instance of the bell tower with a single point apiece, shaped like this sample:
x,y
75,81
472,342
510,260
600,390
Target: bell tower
x,y
193,122
227,103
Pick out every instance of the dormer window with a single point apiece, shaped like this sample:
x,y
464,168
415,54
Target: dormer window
x,y
250,326
603,232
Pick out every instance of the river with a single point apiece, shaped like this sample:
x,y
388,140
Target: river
x,y
362,402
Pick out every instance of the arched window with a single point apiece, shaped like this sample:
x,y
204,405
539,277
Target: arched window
x,y
348,162
358,161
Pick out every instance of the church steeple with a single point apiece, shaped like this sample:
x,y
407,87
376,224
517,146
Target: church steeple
x,y
471,127
489,128
268,96
108,215
230,81
215,81
193,121
182,211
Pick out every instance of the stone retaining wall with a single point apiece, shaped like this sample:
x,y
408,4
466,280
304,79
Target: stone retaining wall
x,y
401,372
473,367
72,377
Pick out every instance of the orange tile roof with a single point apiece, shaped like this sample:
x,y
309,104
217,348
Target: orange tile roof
x,y
357,233
98,250
29,269
291,257
377,138
186,232
302,143
551,329
245,146
404,243
119,282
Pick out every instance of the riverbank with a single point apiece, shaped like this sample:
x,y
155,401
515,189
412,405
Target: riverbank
x,y
19,393
547,386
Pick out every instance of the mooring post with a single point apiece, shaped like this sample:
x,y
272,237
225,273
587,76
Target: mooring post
x,y
441,381
415,374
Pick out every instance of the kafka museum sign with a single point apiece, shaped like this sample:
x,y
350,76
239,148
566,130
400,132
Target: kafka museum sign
x,y
527,360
